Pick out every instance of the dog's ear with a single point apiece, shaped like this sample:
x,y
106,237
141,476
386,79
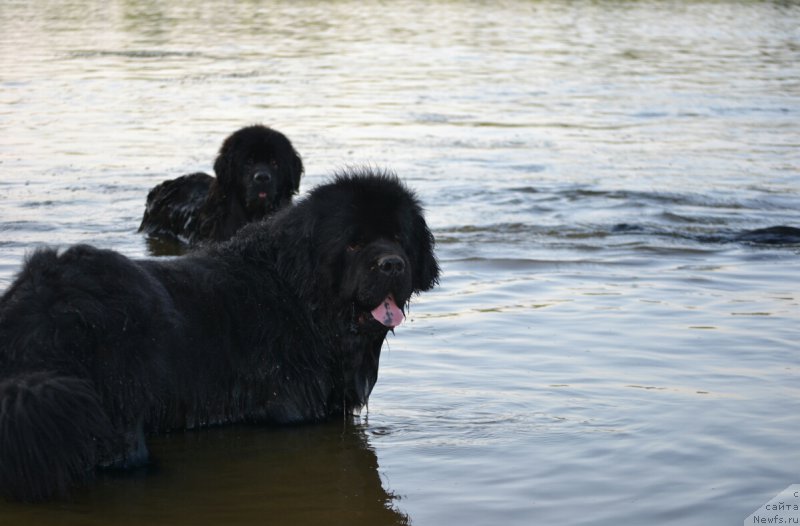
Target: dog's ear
x,y
297,171
425,267
225,165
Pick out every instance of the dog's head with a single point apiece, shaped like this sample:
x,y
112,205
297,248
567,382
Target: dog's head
x,y
358,240
258,168
358,249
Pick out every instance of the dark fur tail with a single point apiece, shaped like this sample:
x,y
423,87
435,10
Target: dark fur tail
x,y
53,431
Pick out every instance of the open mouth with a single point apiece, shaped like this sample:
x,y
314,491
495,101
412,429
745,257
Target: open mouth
x,y
262,196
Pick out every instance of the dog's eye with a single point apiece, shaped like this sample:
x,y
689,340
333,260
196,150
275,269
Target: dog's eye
x,y
273,163
353,247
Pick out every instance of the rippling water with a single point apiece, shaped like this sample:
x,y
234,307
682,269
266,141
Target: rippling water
x,y
603,349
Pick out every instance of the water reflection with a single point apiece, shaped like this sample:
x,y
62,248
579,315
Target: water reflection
x,y
164,247
301,476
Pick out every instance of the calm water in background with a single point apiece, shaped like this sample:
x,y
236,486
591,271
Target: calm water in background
x,y
598,352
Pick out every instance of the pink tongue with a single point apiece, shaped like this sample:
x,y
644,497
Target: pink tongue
x,y
388,313
262,195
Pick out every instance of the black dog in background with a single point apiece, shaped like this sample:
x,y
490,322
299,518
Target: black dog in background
x,y
282,324
258,171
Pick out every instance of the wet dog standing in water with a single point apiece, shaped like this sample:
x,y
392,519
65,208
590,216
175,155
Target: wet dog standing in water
x,y
282,324
258,171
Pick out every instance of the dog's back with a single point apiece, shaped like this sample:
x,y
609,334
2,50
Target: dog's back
x,y
172,207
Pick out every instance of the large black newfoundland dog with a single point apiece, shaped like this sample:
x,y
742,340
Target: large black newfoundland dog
x,y
281,324
258,172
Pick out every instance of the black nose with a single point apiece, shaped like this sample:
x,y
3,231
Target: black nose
x,y
262,177
391,265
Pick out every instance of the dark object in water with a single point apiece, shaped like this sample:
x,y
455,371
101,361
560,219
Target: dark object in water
x,y
774,235
258,171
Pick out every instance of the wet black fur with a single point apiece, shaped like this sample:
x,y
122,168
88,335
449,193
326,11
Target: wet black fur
x,y
98,351
198,207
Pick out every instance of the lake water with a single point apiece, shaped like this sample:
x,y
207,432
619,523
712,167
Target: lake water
x,y
600,351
